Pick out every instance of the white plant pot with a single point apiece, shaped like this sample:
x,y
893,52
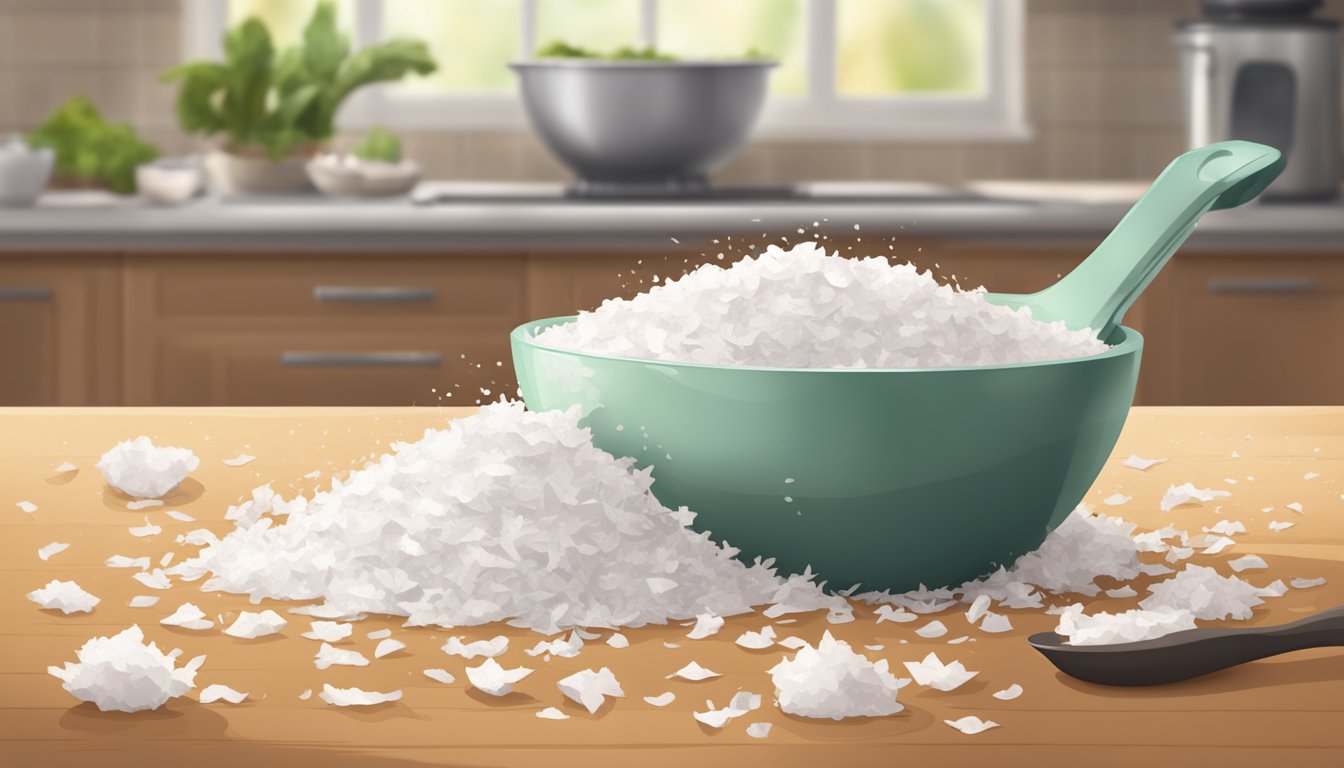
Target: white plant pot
x,y
256,174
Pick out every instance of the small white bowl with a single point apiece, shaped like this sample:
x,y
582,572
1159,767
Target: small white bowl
x,y
171,180
349,176
24,172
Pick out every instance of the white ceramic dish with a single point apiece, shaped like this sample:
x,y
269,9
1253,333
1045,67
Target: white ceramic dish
x,y
171,180
347,176
24,172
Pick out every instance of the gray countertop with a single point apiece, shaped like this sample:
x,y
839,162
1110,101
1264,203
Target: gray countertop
x,y
495,216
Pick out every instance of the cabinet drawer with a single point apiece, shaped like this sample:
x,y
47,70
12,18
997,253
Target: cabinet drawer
x,y
325,369
337,287
1257,330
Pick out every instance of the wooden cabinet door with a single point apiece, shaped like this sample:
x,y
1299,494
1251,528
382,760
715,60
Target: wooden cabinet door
x,y
1255,329
59,330
310,329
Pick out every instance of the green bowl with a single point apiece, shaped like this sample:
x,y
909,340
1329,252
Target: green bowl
x,y
887,478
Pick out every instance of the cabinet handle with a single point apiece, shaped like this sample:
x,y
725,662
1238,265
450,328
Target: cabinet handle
x,y
25,293
396,359
1268,285
374,294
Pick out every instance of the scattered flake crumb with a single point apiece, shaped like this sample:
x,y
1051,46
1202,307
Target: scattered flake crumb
x,y
1217,544
591,688
832,681
487,648
378,634
759,730
180,516
1247,563
706,624
387,647
1277,526
217,692
306,695
1119,592
793,642
897,615
971,724
1009,693
27,506
139,504
439,675
562,647
671,645
552,713
874,647
995,623
1116,499
1203,592
693,672
1307,583
329,631
143,601
979,607
146,530
617,640
141,469
1187,493
187,616
65,467
64,596
1295,506
1275,588
493,679
931,672
1226,527
122,561
122,673
1311,475
355,697
54,548
155,579
959,640
1136,461
329,655
662,699
250,625
240,460
931,630
757,641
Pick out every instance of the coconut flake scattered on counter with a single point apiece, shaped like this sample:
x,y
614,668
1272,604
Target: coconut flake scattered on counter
x,y
143,601
1187,493
179,516
329,631
218,692
1136,461
931,630
493,679
757,641
763,311
141,469
27,506
487,648
591,688
1009,693
64,596
562,647
706,624
1247,563
124,674
1116,499
387,647
139,504
506,515
329,656
933,673
661,700
187,616
355,697
693,672
1277,526
122,561
241,460
617,640
52,549
439,675
146,530
759,730
250,625
832,681
971,724
1302,583
552,713
741,703
155,579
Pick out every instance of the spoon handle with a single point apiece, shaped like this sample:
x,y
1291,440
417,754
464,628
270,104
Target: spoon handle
x,y
1098,292
1221,649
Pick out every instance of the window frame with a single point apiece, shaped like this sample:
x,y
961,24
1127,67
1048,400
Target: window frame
x,y
997,115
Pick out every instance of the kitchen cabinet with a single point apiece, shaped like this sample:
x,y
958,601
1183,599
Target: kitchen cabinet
x,y
1251,329
59,330
296,329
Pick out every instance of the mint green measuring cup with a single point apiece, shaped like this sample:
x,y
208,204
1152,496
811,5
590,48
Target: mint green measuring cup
x,y
896,478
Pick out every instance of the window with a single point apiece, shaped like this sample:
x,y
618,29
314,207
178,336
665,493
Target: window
x,y
848,69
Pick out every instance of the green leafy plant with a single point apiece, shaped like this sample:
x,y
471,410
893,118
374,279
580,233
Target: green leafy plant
x,y
91,150
378,145
277,102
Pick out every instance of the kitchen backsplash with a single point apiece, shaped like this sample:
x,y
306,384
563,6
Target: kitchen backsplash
x,y
1103,94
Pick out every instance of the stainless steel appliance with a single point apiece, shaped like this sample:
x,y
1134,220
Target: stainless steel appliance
x,y
628,127
1267,71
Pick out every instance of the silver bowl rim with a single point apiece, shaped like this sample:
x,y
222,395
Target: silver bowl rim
x,y
578,63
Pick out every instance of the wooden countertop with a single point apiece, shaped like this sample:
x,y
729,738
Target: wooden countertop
x,y
1284,711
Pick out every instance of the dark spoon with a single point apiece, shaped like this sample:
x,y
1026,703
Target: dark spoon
x,y
1183,655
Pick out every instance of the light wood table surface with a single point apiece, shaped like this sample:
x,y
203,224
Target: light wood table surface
x,y
1288,711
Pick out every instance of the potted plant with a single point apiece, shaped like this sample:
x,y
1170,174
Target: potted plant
x,y
275,111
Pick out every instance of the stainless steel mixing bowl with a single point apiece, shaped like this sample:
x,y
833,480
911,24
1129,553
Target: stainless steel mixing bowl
x,y
643,123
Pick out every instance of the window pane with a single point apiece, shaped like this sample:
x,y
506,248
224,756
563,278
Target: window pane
x,y
286,18
887,47
771,27
601,25
472,40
